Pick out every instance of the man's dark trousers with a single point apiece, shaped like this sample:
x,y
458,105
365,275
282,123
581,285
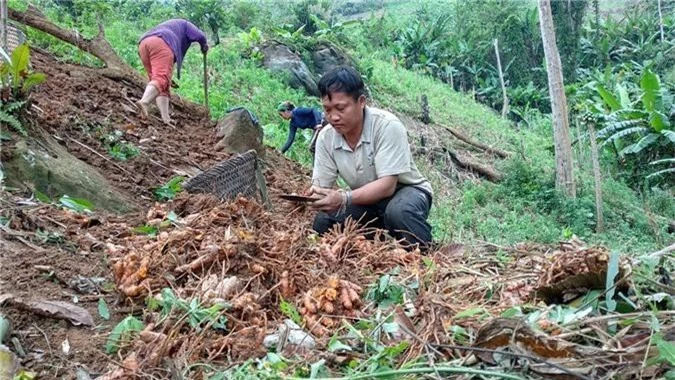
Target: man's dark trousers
x,y
404,215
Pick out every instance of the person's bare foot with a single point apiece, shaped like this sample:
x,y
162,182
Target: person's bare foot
x,y
169,121
143,109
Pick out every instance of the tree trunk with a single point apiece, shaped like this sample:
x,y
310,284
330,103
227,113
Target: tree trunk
x,y
561,138
600,224
99,47
505,105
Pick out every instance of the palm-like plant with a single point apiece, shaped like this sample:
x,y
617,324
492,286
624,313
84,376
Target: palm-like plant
x,y
647,120
641,129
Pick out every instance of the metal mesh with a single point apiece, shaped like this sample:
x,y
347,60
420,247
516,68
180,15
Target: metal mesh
x,y
228,179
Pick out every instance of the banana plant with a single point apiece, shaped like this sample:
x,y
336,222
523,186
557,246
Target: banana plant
x,y
644,123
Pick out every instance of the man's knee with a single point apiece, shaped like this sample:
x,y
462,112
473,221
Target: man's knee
x,y
402,208
406,216
322,222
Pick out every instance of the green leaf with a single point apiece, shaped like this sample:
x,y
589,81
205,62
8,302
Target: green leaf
x,y
612,272
146,230
32,80
623,96
643,143
20,58
651,87
471,312
76,204
318,368
383,283
661,172
172,217
103,310
289,310
335,345
122,333
394,351
670,135
658,121
663,161
670,375
608,97
512,312
42,197
624,133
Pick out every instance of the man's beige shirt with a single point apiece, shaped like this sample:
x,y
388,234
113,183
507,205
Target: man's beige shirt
x,y
383,150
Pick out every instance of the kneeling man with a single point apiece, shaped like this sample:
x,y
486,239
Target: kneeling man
x,y
368,148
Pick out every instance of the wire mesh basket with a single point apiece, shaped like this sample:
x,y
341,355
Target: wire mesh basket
x,y
237,176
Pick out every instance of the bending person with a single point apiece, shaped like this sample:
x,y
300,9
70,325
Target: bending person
x,y
369,149
300,118
159,48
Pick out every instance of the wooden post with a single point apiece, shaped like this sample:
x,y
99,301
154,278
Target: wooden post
x,y
3,21
505,106
600,223
426,119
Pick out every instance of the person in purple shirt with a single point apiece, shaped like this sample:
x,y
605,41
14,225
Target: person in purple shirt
x,y
300,118
159,48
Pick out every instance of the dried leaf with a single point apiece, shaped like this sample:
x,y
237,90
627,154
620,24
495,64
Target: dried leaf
x,y
57,309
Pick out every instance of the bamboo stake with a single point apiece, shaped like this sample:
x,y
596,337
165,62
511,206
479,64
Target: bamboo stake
x,y
505,106
600,223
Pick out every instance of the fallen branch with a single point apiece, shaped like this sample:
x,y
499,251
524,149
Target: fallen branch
x,y
465,163
662,252
461,136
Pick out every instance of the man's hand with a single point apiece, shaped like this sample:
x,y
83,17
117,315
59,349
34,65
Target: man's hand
x,y
330,200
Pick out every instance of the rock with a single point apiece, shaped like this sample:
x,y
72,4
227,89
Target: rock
x,y
294,335
279,58
239,133
326,57
40,163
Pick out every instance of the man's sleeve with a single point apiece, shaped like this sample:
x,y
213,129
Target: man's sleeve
x,y
291,137
392,153
195,35
325,170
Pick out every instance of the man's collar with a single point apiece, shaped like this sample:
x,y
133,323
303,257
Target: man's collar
x,y
366,133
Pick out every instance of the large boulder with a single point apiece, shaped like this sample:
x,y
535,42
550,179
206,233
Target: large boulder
x,y
279,58
239,132
327,56
46,166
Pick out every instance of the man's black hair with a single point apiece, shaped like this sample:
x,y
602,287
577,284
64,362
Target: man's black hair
x,y
285,106
342,79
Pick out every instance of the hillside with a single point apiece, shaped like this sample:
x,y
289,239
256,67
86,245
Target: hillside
x,y
118,282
